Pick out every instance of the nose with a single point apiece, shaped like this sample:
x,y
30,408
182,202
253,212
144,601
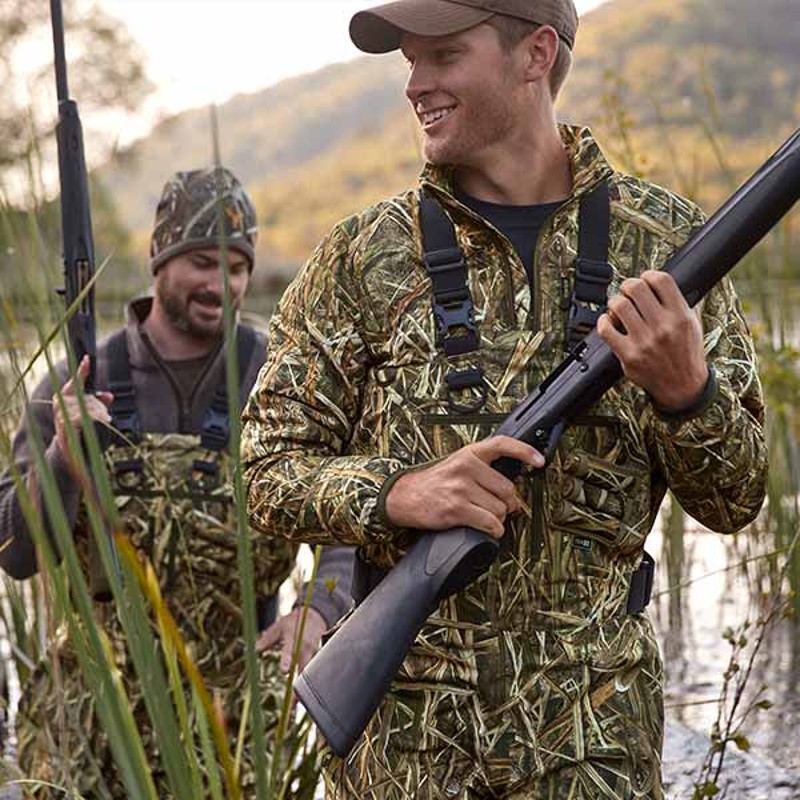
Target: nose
x,y
419,83
214,281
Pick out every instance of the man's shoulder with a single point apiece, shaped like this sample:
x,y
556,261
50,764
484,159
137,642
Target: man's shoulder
x,y
653,206
109,340
388,217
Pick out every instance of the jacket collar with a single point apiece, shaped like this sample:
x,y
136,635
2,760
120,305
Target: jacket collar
x,y
589,165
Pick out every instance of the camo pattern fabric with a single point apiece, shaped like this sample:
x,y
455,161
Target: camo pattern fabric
x,y
533,682
187,531
195,207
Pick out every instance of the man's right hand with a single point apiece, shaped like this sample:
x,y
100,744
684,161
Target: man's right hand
x,y
461,490
97,406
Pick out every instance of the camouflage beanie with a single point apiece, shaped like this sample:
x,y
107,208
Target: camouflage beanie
x,y
186,216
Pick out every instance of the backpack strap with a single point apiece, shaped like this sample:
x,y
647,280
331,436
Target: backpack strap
x,y
453,309
593,273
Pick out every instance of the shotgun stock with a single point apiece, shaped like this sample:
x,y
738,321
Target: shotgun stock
x,y
344,684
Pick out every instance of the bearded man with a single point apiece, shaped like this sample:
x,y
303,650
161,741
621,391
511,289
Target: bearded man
x,y
161,390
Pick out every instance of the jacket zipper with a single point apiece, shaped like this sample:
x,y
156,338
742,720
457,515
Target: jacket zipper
x,y
184,404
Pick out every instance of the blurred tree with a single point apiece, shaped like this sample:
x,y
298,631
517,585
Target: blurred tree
x,y
106,70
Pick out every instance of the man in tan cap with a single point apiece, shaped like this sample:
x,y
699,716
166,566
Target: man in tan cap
x,y
414,329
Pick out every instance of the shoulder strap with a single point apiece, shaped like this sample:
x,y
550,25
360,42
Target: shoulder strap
x,y
453,309
124,416
216,421
447,269
593,273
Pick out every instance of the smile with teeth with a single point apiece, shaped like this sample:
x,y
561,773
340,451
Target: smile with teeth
x,y
429,117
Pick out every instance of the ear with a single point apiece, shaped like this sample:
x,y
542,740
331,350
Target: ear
x,y
541,50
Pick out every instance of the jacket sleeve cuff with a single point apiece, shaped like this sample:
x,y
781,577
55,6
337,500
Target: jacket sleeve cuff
x,y
696,409
326,602
331,596
380,508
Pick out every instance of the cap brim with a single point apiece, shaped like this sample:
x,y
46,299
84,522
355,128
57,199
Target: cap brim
x,y
381,29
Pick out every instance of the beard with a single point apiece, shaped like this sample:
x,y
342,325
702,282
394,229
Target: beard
x,y
176,309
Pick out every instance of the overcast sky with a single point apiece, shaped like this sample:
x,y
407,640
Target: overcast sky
x,y
204,51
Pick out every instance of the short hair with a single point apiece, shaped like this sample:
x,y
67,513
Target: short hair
x,y
512,31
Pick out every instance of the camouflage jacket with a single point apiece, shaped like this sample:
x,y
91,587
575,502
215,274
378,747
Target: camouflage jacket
x,y
534,676
353,392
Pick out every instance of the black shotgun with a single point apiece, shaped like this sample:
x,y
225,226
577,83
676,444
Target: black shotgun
x,y
76,220
344,684
78,243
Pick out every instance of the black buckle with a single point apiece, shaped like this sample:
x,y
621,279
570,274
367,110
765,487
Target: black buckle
x,y
449,318
129,473
641,586
452,304
216,429
471,378
590,274
448,270
204,475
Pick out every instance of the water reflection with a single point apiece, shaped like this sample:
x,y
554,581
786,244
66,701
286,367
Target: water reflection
x,y
718,594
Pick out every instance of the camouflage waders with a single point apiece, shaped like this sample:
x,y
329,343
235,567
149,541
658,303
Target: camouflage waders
x,y
188,534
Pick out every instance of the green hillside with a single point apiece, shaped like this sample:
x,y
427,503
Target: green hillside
x,y
692,93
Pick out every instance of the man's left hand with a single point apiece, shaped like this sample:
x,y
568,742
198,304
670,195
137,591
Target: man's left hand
x,y
283,633
658,340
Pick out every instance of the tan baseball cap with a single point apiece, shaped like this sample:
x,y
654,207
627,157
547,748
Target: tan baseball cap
x,y
381,29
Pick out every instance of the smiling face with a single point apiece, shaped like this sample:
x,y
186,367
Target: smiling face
x,y
189,289
469,94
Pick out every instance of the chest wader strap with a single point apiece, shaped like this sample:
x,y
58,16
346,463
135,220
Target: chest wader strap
x,y
216,428
127,429
453,310
593,273
123,408
366,576
641,586
593,276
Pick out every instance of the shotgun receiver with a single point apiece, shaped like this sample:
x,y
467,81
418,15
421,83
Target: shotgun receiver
x,y
344,684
